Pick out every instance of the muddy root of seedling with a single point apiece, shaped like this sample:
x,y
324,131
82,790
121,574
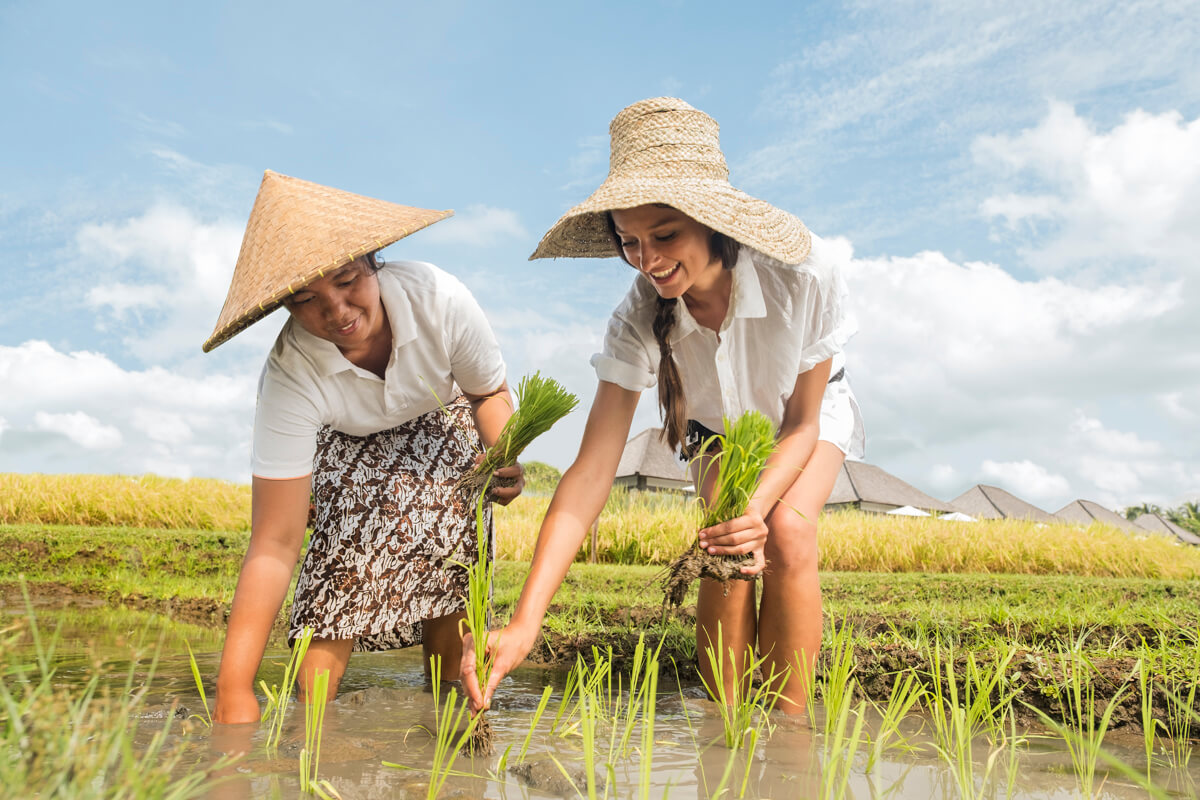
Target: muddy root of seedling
x,y
472,484
479,743
694,563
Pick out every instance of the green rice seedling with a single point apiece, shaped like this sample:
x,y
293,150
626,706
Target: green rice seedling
x,y
1084,736
737,700
1181,703
1146,694
449,714
840,745
745,446
649,696
314,721
906,693
541,402
838,684
207,718
480,577
537,716
279,696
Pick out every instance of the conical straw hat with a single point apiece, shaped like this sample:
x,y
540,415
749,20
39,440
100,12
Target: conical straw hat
x,y
665,151
297,232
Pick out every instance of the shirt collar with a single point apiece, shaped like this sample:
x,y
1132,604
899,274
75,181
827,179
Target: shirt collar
x,y
325,354
745,298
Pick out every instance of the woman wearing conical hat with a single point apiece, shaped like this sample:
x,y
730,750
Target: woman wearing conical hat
x,y
735,306
350,409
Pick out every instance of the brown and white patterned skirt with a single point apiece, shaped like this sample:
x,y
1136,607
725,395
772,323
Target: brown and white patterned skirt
x,y
389,528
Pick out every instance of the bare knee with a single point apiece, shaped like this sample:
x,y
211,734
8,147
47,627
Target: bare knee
x,y
791,548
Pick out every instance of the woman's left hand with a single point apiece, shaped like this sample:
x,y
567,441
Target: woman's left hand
x,y
507,483
736,537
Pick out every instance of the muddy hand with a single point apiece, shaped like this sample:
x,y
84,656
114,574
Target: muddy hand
x,y
507,483
236,706
737,537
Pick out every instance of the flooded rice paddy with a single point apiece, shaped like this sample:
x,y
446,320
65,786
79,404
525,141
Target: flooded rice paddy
x,y
384,716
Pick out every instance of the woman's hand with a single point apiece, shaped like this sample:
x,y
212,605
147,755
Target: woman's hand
x,y
736,537
236,706
507,483
507,648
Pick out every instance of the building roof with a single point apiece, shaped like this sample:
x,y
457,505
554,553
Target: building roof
x,y
647,454
1156,523
859,482
1085,512
991,502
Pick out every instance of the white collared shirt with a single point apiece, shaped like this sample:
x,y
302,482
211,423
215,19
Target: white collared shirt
x,y
783,319
441,343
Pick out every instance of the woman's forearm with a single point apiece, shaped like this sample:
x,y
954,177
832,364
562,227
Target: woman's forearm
x,y
261,589
792,452
490,412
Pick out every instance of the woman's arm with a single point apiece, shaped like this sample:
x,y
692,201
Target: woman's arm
x,y
278,517
794,446
491,411
577,502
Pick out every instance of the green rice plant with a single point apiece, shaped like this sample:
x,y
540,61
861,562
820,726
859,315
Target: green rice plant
x,y
1083,734
62,739
840,745
314,721
541,402
1146,693
838,684
449,713
279,696
207,718
649,697
745,446
986,700
906,693
1180,692
537,717
737,699
480,577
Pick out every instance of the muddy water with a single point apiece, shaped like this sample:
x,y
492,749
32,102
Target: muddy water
x,y
385,710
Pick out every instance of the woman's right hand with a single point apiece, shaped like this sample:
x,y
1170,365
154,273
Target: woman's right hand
x,y
507,647
236,706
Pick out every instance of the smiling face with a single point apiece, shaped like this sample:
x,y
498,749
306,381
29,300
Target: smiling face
x,y
343,307
670,248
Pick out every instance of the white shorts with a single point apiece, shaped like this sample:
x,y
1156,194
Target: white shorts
x,y
841,420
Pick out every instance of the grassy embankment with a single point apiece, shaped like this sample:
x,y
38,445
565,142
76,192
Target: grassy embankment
x,y
991,588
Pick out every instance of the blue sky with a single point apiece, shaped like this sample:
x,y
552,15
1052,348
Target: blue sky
x,y
1020,188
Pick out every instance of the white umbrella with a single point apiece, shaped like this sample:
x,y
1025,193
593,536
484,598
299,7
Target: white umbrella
x,y
909,511
957,516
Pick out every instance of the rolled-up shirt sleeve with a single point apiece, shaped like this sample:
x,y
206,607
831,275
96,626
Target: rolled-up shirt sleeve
x,y
625,360
475,360
824,321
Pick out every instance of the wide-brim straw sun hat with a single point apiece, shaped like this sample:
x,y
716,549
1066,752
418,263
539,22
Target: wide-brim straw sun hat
x,y
665,151
299,231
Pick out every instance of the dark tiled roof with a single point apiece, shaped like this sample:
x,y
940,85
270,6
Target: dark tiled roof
x,y
858,482
647,454
991,502
1085,512
1157,524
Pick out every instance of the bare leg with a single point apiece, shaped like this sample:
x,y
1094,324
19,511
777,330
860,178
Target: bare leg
x,y
789,620
441,637
733,612
324,655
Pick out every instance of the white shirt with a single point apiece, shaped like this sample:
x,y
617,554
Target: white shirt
x,y
441,343
783,319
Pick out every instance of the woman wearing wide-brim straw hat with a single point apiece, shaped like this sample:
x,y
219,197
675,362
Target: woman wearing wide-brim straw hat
x,y
350,408
736,306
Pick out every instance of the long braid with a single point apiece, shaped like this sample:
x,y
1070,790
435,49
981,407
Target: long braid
x,y
670,386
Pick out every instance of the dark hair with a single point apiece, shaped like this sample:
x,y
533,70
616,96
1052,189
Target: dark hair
x,y
375,262
671,401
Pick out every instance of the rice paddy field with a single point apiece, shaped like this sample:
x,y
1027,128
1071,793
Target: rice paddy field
x,y
995,659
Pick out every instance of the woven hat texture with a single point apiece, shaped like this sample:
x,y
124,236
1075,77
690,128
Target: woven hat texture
x,y
297,232
665,151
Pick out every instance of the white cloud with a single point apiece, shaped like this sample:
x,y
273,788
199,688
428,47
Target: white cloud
x,y
1025,479
1173,403
478,226
81,412
82,429
1099,197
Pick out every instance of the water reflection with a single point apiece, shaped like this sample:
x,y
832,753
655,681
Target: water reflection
x,y
385,713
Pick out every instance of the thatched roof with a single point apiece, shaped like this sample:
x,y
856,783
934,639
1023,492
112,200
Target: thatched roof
x,y
1085,512
861,483
648,455
991,502
1158,524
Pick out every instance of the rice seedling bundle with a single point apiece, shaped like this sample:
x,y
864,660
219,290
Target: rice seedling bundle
x,y
541,402
745,447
